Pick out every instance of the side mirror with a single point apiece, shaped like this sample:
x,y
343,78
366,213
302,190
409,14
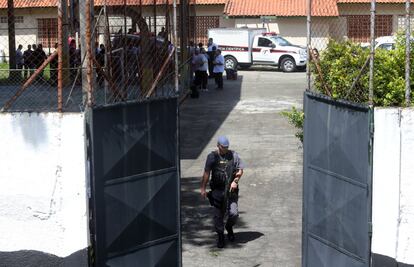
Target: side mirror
x,y
273,46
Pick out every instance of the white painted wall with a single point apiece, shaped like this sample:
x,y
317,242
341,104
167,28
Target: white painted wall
x,y
405,251
43,202
393,184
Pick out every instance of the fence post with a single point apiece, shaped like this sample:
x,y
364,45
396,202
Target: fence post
x,y
176,75
60,53
12,39
85,16
407,53
372,54
309,42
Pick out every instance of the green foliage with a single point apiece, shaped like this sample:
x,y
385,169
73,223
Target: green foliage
x,y
296,117
341,63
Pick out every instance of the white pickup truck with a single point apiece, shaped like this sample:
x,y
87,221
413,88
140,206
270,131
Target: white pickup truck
x,y
244,47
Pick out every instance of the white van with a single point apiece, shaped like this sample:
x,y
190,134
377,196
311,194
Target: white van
x,y
244,47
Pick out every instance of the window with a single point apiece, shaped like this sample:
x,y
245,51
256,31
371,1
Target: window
x,y
387,46
359,27
47,32
281,41
17,19
264,42
199,26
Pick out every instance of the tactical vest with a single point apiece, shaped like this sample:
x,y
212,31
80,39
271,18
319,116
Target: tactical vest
x,y
222,170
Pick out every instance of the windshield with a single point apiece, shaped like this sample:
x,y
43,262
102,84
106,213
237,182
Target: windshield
x,y
280,41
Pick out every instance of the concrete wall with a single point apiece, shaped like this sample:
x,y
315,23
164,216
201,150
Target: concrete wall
x,y
393,185
43,201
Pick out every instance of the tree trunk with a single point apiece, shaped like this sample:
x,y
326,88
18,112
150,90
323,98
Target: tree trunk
x,y
12,40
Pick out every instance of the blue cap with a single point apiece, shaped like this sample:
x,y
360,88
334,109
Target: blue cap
x,y
223,141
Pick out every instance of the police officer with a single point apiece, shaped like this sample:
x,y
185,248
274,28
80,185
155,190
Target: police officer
x,y
226,169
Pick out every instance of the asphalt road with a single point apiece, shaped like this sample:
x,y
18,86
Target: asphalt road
x,y
270,205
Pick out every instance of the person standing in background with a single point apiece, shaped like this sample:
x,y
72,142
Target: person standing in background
x,y
40,58
27,57
19,59
218,69
211,48
203,70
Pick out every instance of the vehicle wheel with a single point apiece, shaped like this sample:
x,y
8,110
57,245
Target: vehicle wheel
x,y
288,64
230,63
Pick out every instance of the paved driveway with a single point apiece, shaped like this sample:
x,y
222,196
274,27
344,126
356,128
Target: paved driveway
x,y
248,112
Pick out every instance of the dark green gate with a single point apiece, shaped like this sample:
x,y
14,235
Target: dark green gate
x,y
337,183
135,189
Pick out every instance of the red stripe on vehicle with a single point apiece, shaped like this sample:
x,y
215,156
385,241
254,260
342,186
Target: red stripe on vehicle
x,y
281,51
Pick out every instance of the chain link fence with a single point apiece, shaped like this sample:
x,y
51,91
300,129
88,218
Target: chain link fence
x,y
340,50
52,59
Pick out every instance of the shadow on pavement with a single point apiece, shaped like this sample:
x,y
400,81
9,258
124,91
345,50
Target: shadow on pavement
x,y
245,237
33,258
200,118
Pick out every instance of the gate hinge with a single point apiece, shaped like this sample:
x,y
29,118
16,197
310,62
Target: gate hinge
x,y
371,128
370,228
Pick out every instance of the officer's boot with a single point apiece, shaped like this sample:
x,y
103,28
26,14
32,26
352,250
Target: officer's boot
x,y
230,233
220,241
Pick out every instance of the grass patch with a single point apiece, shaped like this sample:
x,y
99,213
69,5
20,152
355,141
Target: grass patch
x,y
5,73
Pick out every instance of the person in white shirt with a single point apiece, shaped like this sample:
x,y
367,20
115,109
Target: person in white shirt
x,y
218,69
200,65
203,69
19,57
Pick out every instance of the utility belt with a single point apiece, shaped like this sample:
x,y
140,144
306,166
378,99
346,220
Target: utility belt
x,y
217,198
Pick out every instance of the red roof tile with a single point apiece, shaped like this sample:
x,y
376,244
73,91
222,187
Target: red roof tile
x,y
369,1
280,8
53,3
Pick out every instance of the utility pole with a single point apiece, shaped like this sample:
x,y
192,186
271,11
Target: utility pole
x,y
309,43
372,55
85,21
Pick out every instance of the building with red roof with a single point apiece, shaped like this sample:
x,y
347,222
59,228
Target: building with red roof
x,y
36,20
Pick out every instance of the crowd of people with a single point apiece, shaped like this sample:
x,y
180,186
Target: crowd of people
x,y
30,59
206,64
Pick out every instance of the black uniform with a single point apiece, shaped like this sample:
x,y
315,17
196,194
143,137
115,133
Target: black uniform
x,y
223,168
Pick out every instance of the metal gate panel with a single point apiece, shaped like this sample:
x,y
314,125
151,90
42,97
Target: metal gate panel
x,y
135,184
337,182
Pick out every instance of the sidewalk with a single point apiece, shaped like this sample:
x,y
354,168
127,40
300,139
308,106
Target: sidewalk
x,y
268,232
